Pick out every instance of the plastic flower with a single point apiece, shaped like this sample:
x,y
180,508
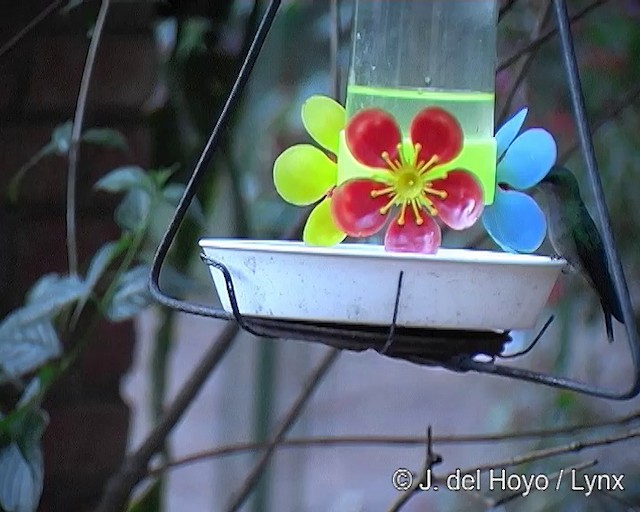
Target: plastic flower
x,y
406,174
514,220
304,174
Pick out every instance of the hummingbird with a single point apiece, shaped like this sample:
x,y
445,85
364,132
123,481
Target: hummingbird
x,y
575,237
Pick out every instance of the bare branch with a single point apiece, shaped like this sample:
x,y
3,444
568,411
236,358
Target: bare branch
x,y
494,503
545,12
134,468
546,453
39,18
607,115
431,460
290,418
505,9
76,132
329,441
534,45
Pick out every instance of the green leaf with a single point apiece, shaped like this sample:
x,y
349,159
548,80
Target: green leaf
x,y
303,174
14,184
124,179
105,137
192,37
324,118
21,466
99,263
131,295
27,420
61,138
320,228
132,213
150,500
172,194
162,175
52,292
27,336
26,345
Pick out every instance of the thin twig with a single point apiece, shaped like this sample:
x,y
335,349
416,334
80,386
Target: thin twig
x,y
391,441
546,453
610,113
431,460
134,468
505,9
494,503
76,133
534,45
541,454
545,12
285,425
39,18
629,507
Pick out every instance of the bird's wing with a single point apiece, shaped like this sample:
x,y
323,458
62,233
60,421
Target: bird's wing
x,y
591,253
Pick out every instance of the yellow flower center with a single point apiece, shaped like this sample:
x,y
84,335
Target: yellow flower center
x,y
409,184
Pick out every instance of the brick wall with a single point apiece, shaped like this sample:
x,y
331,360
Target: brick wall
x,y
39,82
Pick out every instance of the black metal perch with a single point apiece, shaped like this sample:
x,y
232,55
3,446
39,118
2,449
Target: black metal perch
x,y
455,350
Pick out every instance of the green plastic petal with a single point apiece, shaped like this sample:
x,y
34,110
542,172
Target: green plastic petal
x,y
320,228
324,118
303,174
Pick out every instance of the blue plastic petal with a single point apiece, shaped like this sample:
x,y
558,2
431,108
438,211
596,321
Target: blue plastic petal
x,y
509,130
528,159
515,221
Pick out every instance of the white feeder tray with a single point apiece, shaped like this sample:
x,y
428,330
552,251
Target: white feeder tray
x,y
357,283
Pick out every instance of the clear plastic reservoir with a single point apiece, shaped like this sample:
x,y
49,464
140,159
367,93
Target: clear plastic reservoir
x,y
412,54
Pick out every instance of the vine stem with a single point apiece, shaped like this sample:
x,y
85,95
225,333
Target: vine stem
x,y
39,18
76,132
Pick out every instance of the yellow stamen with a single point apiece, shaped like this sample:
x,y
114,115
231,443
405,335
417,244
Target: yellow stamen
x,y
428,204
403,209
382,192
416,212
385,209
393,164
417,148
424,167
442,194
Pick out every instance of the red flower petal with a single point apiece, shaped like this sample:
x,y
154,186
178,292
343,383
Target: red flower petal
x,y
411,237
370,133
354,210
438,132
464,203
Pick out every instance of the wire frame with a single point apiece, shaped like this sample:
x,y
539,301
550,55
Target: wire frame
x,y
452,349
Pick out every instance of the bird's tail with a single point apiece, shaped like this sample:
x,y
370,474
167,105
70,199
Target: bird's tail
x,y
607,321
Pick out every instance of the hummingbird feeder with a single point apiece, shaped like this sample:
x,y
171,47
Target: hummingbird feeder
x,y
413,151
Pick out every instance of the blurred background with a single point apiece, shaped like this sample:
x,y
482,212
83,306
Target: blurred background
x,y
162,73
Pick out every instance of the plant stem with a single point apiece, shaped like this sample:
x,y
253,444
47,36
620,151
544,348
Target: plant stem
x,y
134,467
40,17
76,132
238,499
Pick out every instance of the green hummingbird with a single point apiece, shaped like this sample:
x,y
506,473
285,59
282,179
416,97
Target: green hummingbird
x,y
575,237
